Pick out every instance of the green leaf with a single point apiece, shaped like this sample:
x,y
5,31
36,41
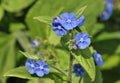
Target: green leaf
x,y
80,11
33,81
15,6
1,13
96,29
57,77
98,78
16,26
20,72
62,58
7,57
83,29
118,81
53,38
84,57
44,19
32,56
111,62
47,8
107,36
24,42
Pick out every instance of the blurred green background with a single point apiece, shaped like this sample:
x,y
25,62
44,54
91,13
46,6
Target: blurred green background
x,y
18,28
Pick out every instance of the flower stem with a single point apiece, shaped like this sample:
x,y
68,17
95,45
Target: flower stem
x,y
70,61
78,29
80,80
70,68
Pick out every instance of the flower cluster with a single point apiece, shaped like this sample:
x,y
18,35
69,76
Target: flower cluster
x,y
66,22
78,70
108,10
39,67
98,59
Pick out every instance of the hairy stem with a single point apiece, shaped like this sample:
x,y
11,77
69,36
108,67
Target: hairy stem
x,y
80,80
70,68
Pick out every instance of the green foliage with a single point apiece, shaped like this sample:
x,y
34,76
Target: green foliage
x,y
84,57
1,13
22,20
15,6
32,56
98,78
6,41
16,27
20,72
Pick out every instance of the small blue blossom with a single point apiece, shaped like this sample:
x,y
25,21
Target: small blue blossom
x,y
98,59
56,21
80,21
58,28
30,65
82,40
41,68
35,43
108,10
68,20
78,70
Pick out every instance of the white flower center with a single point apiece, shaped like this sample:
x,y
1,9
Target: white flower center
x,y
104,13
81,39
59,27
97,59
41,67
32,65
78,69
68,21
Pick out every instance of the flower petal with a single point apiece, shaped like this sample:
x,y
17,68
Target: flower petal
x,y
80,21
40,73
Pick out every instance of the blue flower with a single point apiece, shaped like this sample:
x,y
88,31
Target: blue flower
x,y
108,10
82,40
80,21
78,70
30,65
35,43
58,28
68,20
56,21
98,59
41,68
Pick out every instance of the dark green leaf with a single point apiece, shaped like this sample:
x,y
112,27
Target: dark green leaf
x,y
1,13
